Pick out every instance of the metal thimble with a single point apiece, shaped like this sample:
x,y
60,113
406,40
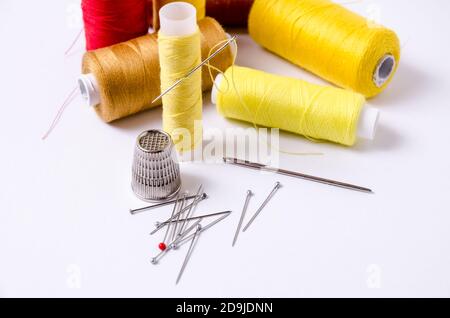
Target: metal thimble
x,y
155,172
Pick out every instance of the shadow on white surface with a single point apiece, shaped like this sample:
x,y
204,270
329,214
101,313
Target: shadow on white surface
x,y
139,122
190,182
408,84
386,139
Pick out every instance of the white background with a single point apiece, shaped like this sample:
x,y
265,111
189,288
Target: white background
x,y
65,229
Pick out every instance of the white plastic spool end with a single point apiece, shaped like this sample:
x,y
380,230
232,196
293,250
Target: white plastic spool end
x,y
368,123
233,46
178,19
89,89
368,119
215,91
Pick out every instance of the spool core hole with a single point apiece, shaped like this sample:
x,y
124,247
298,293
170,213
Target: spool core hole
x,y
83,89
384,70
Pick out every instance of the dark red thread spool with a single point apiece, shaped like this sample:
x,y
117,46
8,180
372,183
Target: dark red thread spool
x,y
108,22
229,12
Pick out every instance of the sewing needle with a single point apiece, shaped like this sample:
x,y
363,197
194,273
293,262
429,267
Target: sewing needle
x,y
258,166
195,68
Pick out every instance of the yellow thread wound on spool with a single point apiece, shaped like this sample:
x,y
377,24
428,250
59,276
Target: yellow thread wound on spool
x,y
328,40
182,107
128,74
200,6
318,112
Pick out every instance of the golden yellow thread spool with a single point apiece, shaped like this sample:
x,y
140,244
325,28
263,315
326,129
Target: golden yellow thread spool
x,y
317,112
123,79
179,53
200,6
328,40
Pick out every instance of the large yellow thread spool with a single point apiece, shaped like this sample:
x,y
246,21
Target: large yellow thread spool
x,y
317,112
328,40
200,6
123,79
180,52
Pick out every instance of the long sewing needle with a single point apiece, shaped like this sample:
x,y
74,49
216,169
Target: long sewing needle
x,y
195,68
189,252
258,166
272,193
241,220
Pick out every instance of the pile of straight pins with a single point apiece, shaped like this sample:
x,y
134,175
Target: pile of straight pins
x,y
183,227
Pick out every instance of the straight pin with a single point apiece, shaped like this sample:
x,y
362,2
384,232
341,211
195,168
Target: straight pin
x,y
189,252
156,259
159,226
204,228
275,189
200,217
244,210
174,233
183,238
193,205
162,246
159,205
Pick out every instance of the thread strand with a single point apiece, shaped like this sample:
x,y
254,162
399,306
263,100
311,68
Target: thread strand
x,y
60,112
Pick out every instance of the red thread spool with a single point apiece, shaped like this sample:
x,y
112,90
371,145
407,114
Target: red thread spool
x,y
108,22
229,12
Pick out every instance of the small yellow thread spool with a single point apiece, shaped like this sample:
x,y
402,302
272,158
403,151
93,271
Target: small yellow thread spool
x,y
200,6
180,52
123,79
317,112
328,40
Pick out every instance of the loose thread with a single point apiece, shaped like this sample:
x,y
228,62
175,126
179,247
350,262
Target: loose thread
x,y
60,112
74,42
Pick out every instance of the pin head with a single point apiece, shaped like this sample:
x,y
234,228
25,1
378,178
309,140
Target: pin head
x,y
162,246
154,261
278,185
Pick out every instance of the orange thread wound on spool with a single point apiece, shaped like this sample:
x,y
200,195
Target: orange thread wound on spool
x,y
128,73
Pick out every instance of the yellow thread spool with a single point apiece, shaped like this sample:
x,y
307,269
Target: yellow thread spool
x,y
328,40
180,52
200,6
123,79
318,112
